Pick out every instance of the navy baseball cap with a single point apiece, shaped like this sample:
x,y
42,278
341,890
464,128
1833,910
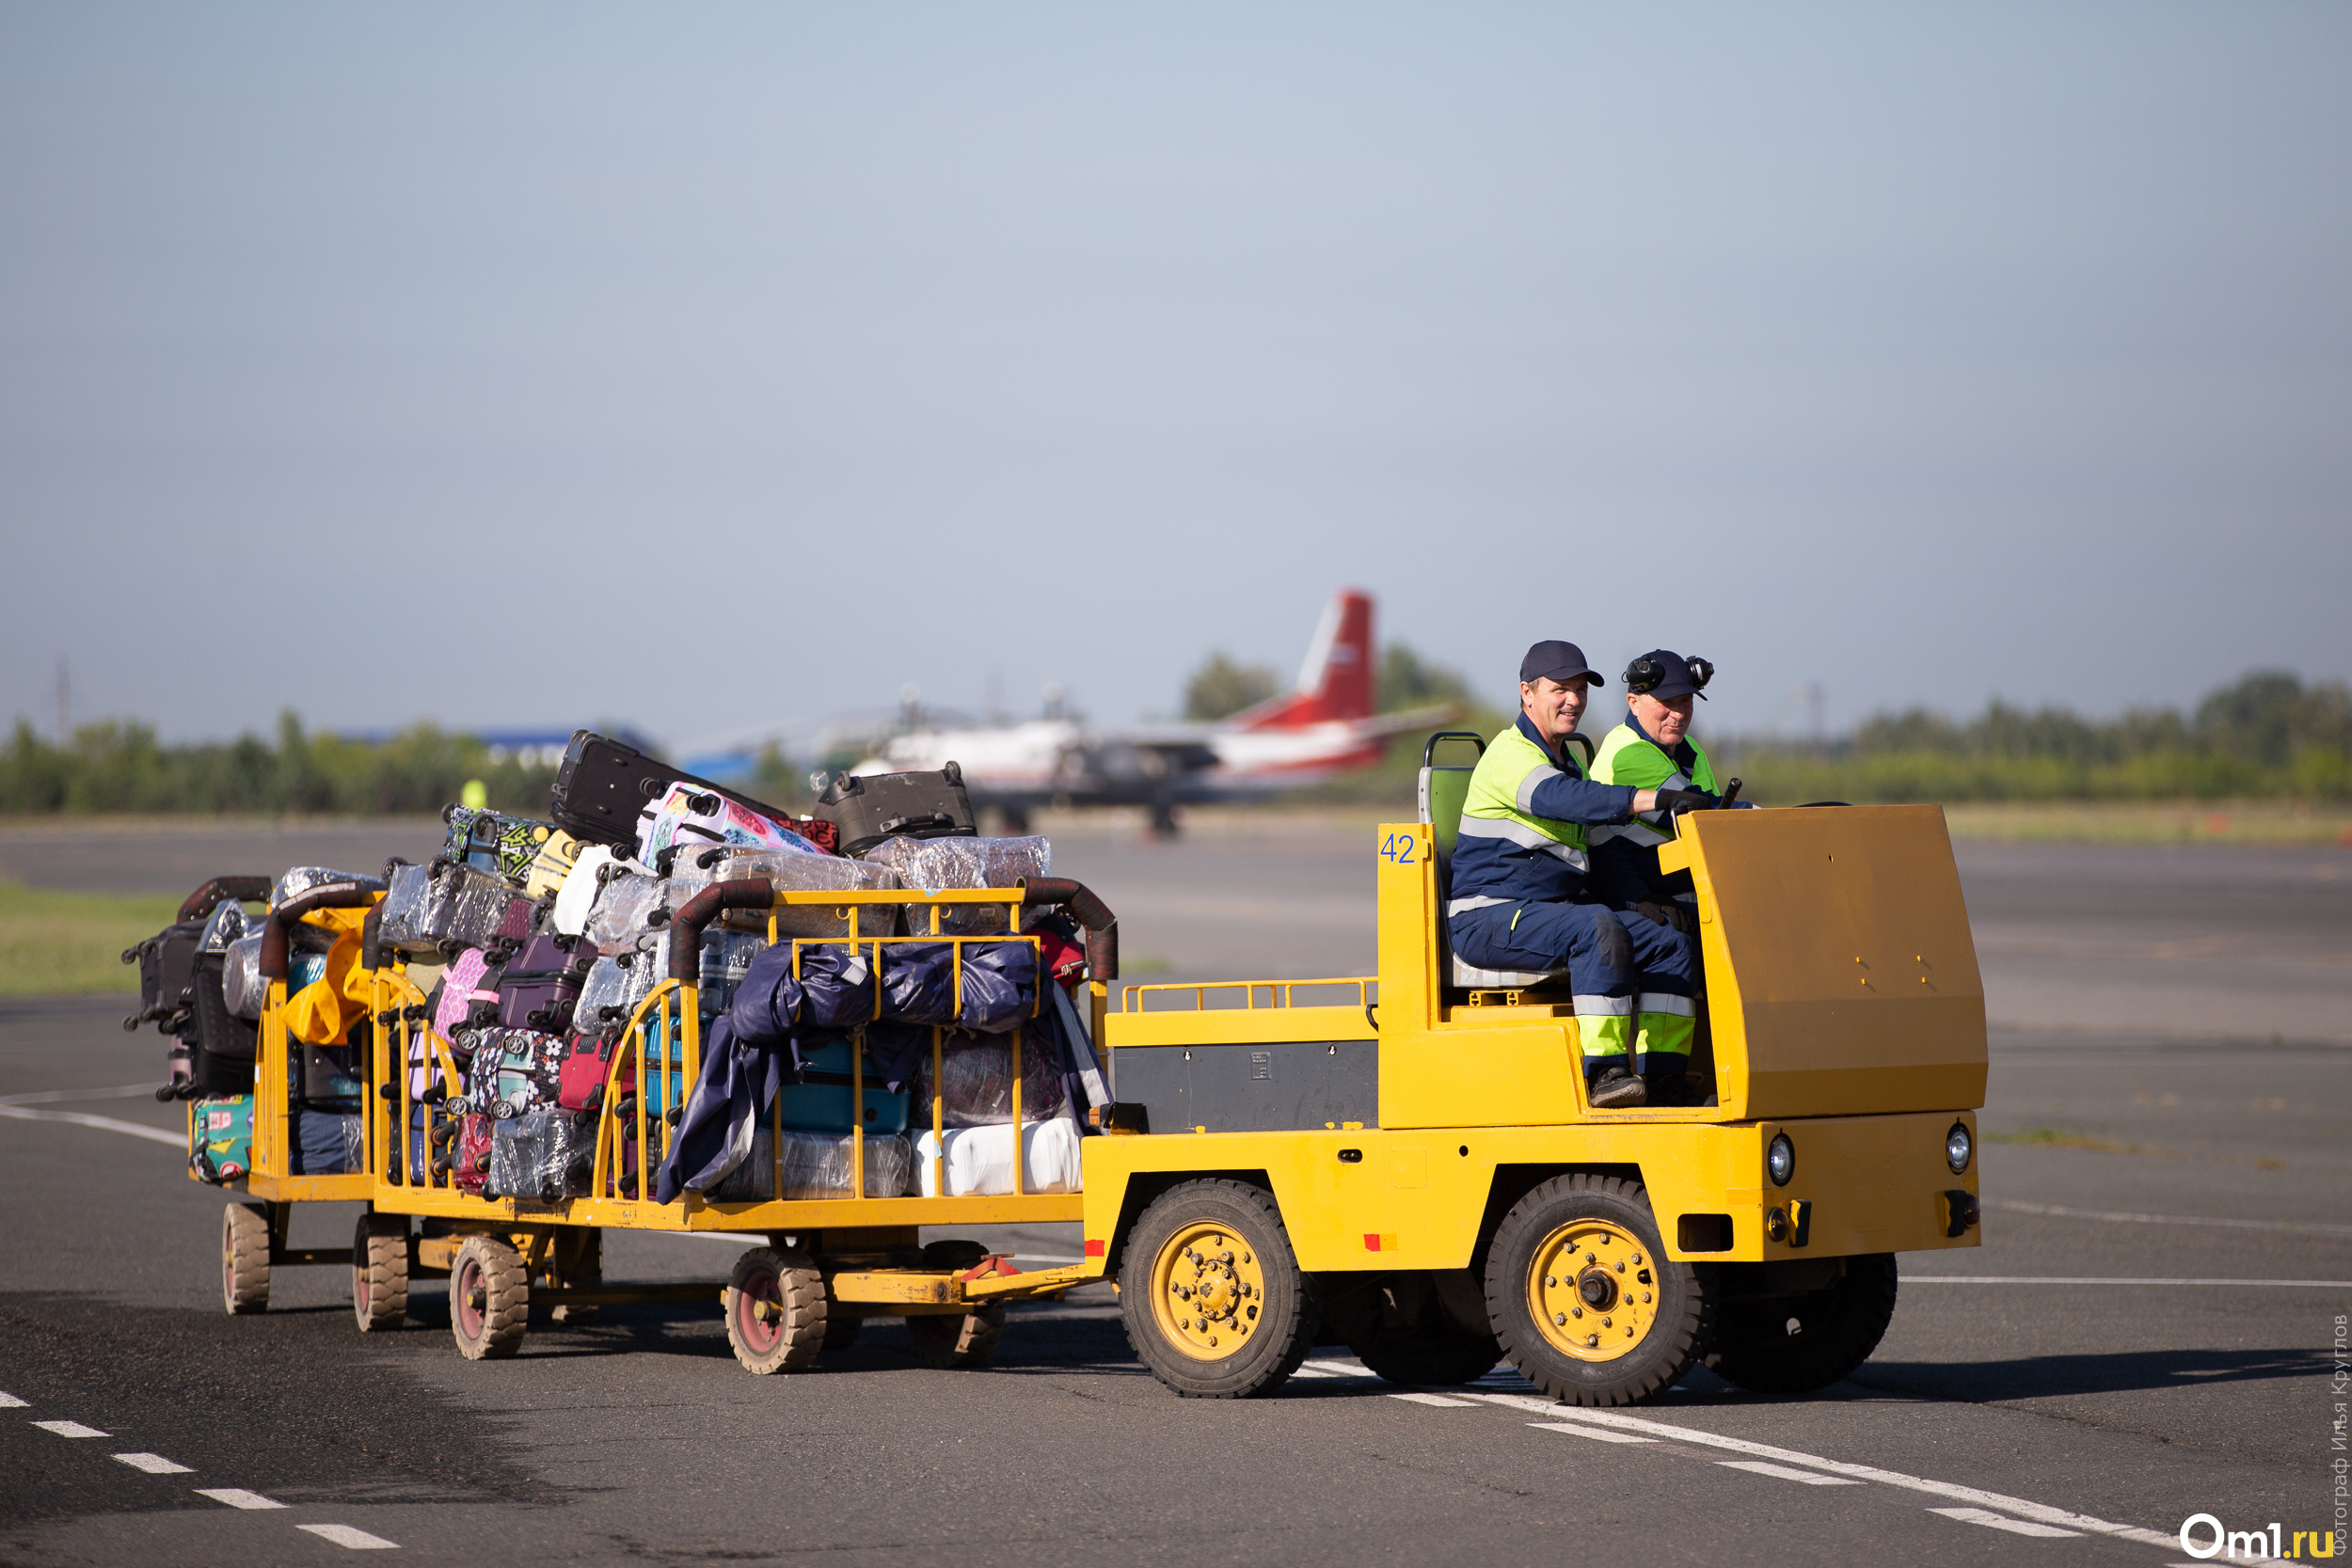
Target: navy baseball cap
x,y
1663,674
1562,661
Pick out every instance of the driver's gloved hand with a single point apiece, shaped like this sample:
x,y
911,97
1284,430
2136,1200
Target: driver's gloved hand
x,y
1674,803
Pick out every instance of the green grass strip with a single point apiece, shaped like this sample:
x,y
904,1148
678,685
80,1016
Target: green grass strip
x,y
70,943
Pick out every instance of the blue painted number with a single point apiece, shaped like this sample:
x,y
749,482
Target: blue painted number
x,y
1397,849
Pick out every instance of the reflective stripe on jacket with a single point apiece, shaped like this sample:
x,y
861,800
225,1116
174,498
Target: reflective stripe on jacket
x,y
1629,756
1522,837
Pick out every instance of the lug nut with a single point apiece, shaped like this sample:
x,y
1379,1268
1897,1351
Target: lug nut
x,y
1637,1260
1646,1295
1561,1319
1621,1268
1608,1322
1577,1311
1593,1340
1589,1257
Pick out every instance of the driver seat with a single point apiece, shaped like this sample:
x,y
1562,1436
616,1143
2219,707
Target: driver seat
x,y
1443,793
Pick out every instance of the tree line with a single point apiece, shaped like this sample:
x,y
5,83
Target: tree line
x,y
2266,735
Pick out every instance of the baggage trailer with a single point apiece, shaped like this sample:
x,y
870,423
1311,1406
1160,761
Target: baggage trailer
x,y
1406,1163
826,1264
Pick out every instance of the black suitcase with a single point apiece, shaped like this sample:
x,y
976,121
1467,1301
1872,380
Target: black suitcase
x,y
603,784
221,1045
866,809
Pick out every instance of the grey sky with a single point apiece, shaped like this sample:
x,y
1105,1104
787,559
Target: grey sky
x,y
700,366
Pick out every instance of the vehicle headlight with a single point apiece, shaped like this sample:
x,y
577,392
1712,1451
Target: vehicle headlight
x,y
1781,1159
1958,1147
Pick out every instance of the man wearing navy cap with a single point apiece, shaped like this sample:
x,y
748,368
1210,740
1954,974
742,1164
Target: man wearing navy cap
x,y
1653,749
1519,876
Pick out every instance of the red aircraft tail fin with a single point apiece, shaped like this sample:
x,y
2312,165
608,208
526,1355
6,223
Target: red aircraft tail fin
x,y
1336,682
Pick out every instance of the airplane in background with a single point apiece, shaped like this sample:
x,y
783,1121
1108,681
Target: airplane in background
x,y
1326,725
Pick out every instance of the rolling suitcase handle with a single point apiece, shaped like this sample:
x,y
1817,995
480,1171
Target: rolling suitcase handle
x,y
329,895
686,925
243,889
1101,926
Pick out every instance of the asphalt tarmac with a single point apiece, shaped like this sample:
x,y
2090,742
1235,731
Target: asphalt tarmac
x,y
2169,1101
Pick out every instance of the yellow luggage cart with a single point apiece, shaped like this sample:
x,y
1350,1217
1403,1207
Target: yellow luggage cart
x,y
825,1263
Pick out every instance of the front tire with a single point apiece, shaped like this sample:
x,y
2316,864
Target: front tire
x,y
1798,1344
489,1299
1583,1298
379,1272
1213,1297
776,1311
244,1259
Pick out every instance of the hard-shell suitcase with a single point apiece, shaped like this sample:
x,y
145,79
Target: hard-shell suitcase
x,y
865,809
220,1137
587,1070
684,818
603,786
471,1166
476,908
505,847
820,1102
541,985
415,910
816,1165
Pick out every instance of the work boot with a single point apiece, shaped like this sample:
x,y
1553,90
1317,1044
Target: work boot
x,y
1616,1090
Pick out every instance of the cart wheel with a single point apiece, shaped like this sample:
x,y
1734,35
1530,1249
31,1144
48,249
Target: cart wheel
x,y
489,1299
957,1342
775,1305
841,1330
1213,1299
1796,1344
379,1272
1584,1300
245,1259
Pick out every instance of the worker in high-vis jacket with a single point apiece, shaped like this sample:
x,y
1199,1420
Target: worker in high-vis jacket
x,y
1519,898
1653,749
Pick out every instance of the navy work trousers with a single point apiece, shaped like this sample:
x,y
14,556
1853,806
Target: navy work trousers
x,y
1605,953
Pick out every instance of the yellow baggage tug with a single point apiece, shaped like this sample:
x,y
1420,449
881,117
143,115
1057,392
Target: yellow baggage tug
x,y
1406,1165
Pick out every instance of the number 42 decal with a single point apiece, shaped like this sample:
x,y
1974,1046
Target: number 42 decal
x,y
1397,849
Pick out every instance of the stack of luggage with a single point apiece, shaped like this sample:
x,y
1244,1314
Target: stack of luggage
x,y
544,938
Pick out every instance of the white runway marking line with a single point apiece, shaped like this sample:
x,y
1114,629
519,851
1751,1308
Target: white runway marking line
x,y
1762,1468
2016,1527
155,1464
70,1429
1330,1368
105,1124
237,1496
2023,1507
1599,1434
2059,1210
344,1535
10,1402
1438,1400
2095,1279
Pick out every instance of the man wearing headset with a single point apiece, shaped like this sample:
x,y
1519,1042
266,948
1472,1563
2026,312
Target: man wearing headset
x,y
1653,749
1519,899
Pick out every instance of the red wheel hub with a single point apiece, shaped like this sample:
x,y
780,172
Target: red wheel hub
x,y
465,1299
759,1311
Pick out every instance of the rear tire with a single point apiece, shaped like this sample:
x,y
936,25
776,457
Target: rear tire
x,y
1798,1344
244,1259
489,1299
776,1311
1397,1325
1583,1298
379,1272
1217,1251
1443,1356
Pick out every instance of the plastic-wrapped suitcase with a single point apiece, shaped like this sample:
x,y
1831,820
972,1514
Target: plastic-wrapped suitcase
x,y
931,864
299,880
603,786
789,873
979,1159
816,1165
415,910
475,908
544,1156
976,1082
616,983
865,809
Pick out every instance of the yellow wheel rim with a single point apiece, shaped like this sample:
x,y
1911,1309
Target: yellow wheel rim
x,y
1593,1290
1207,1291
